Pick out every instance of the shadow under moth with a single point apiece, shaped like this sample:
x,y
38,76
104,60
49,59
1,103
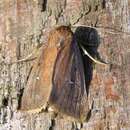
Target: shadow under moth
x,y
58,77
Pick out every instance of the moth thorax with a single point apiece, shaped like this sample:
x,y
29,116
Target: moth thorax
x,y
60,36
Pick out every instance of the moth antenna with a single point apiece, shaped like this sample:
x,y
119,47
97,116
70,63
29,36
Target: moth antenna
x,y
26,59
110,30
94,60
30,57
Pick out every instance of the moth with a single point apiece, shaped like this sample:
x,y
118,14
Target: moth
x,y
58,77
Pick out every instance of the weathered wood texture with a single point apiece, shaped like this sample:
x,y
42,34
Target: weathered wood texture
x,y
24,24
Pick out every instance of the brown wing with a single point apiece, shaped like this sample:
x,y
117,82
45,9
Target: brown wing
x,y
68,93
39,84
38,87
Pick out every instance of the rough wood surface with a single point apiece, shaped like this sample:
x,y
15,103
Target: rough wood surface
x,y
24,24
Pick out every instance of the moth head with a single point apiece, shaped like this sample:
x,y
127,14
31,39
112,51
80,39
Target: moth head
x,y
60,37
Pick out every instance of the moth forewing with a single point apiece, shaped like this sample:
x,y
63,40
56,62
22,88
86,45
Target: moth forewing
x,y
38,88
68,93
39,85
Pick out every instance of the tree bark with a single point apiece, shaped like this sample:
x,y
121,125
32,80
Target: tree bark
x,y
24,24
